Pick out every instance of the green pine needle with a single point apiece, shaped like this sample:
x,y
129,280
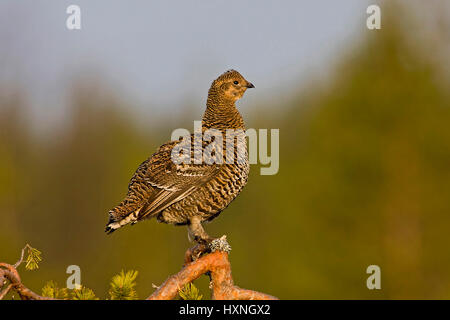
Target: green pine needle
x,y
122,286
83,294
190,292
52,290
33,258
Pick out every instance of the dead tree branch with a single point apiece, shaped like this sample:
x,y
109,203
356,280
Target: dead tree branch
x,y
222,285
10,279
216,264
22,255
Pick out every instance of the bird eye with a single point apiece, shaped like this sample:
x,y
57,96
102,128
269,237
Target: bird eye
x,y
236,82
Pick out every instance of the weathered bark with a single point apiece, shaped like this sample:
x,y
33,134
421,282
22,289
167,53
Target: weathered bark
x,y
223,288
9,273
216,263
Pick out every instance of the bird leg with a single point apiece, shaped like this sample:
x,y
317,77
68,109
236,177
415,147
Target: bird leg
x,y
205,243
199,235
197,232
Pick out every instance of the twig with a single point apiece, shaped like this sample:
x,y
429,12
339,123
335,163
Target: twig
x,y
218,265
5,291
9,272
27,246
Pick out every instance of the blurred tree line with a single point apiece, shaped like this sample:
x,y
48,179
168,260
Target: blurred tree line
x,y
364,179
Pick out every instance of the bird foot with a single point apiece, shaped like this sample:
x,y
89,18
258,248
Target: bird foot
x,y
195,252
220,244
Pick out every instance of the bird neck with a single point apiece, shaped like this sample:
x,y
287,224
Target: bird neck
x,y
221,113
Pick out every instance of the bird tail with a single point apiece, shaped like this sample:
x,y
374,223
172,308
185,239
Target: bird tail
x,y
122,215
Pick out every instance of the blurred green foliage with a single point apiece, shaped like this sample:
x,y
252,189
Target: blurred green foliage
x,y
83,293
190,292
364,179
123,286
52,290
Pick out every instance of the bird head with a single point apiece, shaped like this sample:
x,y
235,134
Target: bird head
x,y
231,85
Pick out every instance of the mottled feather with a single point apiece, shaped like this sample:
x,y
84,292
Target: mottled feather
x,y
189,193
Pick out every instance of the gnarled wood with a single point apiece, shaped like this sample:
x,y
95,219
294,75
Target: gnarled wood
x,y
218,265
9,273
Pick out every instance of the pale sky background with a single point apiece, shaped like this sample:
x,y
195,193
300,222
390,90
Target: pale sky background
x,y
159,54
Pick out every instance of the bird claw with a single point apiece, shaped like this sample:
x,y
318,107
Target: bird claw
x,y
220,244
194,253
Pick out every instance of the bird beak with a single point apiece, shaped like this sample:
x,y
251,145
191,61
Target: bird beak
x,y
250,85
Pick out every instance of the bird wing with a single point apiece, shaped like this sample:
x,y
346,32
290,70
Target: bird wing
x,y
172,182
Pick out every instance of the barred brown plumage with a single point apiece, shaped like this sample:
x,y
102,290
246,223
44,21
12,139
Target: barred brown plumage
x,y
190,193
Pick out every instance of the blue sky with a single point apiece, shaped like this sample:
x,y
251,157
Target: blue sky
x,y
157,54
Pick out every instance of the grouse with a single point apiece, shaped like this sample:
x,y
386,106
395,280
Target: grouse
x,y
190,192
